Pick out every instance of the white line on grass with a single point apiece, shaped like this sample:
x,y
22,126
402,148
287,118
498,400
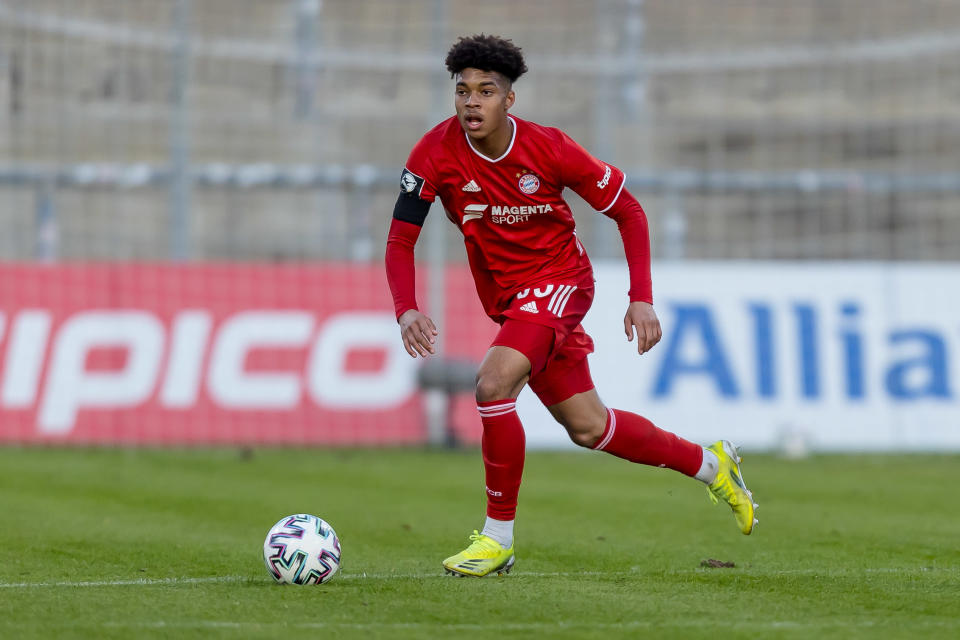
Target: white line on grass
x,y
146,582
431,628
140,582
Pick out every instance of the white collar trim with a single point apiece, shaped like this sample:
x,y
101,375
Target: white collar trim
x,y
505,153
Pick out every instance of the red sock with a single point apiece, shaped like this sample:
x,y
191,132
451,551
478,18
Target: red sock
x,y
636,439
503,447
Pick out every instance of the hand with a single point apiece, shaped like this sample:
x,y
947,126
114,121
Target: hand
x,y
642,316
418,333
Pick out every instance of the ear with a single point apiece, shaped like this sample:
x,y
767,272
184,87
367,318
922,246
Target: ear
x,y
509,100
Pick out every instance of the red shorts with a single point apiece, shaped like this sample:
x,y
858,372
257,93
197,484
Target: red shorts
x,y
543,323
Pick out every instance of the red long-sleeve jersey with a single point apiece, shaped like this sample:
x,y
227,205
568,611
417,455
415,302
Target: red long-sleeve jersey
x,y
518,230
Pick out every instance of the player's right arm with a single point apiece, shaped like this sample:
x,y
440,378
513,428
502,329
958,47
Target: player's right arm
x,y
417,330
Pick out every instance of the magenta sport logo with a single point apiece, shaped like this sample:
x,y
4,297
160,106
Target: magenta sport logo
x,y
301,549
529,183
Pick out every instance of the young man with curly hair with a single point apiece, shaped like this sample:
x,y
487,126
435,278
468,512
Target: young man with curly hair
x,y
500,179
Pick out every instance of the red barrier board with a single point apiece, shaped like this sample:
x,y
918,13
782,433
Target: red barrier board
x,y
217,353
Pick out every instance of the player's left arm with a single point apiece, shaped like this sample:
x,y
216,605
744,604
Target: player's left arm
x,y
640,316
602,186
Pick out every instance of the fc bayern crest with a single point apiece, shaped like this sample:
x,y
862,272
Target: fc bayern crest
x,y
529,183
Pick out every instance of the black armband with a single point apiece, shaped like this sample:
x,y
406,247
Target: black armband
x,y
410,208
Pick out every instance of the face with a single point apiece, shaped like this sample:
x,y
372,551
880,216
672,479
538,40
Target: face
x,y
482,101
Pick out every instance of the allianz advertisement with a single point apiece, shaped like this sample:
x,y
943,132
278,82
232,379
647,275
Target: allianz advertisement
x,y
822,357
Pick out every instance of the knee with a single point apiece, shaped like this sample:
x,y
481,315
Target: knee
x,y
584,417
586,439
491,387
585,431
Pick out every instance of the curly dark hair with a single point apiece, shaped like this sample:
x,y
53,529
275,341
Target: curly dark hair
x,y
487,53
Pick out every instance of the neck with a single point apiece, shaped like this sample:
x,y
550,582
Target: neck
x,y
495,145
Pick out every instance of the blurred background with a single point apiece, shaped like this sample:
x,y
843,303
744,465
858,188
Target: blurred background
x,y
157,147
249,129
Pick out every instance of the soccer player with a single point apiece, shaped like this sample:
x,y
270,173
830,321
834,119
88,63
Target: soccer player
x,y
500,179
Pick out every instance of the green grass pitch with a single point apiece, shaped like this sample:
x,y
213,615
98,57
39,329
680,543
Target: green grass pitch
x,y
158,543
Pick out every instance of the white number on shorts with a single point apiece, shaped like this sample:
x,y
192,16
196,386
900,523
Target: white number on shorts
x,y
558,301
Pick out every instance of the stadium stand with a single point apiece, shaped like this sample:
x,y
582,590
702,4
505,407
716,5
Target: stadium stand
x,y
749,129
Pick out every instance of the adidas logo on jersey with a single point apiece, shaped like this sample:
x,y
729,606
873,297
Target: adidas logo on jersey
x,y
531,307
471,186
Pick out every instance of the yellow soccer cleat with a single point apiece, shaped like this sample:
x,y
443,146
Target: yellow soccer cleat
x,y
484,556
730,487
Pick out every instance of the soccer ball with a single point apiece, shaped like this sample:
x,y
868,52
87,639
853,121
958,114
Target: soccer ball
x,y
302,549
